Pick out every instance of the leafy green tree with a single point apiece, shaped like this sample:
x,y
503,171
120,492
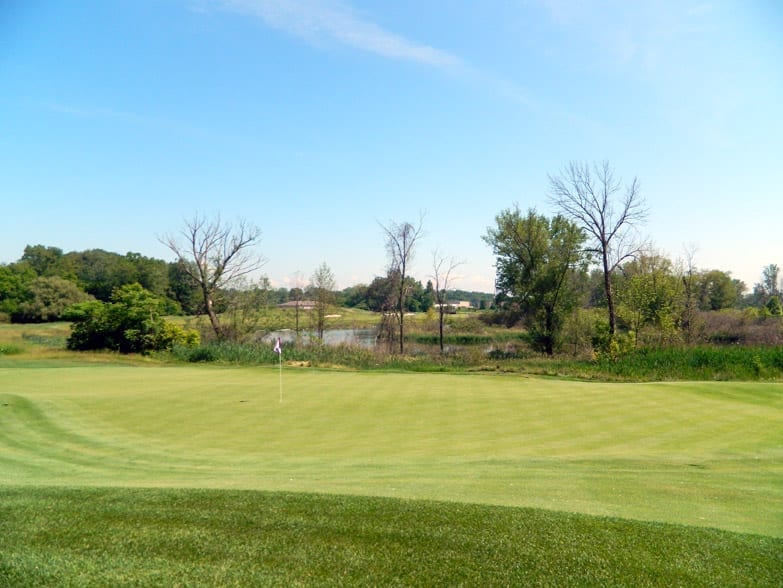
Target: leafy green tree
x,y
773,306
536,258
380,293
14,286
131,322
99,272
768,287
44,261
423,297
652,296
354,296
184,290
718,290
152,274
770,277
48,300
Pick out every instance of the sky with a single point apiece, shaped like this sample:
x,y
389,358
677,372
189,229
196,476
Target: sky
x,y
320,121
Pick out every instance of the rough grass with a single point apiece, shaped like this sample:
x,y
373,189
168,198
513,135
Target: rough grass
x,y
132,537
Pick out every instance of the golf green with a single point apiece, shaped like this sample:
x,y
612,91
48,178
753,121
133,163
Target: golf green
x,y
706,454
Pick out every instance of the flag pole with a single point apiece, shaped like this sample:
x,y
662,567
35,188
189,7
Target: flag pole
x,y
279,351
280,354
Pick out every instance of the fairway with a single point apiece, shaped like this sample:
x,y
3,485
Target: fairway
x,y
704,454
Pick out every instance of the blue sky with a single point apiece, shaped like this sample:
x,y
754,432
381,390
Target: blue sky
x,y
319,119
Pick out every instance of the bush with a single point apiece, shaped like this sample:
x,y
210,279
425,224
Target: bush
x,y
6,349
48,300
130,323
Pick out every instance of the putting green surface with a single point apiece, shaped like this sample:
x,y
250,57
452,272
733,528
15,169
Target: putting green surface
x,y
706,454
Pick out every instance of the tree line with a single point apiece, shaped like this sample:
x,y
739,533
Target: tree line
x,y
544,275
582,276
45,280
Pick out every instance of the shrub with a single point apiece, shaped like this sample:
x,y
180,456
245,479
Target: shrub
x,y
130,323
6,349
48,300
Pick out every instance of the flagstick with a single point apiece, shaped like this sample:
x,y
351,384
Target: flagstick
x,y
281,375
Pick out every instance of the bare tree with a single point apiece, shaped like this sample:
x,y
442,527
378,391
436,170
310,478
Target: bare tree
x,y
690,302
297,293
400,242
215,254
609,212
442,268
322,287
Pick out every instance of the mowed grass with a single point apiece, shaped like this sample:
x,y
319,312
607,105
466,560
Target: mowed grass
x,y
169,537
703,454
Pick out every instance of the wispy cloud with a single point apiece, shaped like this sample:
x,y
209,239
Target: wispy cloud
x,y
317,20
334,20
320,21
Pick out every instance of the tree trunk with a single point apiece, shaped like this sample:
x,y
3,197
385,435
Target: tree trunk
x,y
549,341
440,314
402,331
609,293
213,319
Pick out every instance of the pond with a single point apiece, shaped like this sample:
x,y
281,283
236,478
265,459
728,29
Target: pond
x,y
361,337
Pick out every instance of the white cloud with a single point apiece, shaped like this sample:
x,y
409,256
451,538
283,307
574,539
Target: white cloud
x,y
330,19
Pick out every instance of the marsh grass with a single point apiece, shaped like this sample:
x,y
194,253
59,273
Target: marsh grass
x,y
153,537
475,353
488,350
730,362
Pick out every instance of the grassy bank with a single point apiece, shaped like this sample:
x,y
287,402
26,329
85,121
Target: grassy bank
x,y
123,537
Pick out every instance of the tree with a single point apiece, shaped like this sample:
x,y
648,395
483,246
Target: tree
x,y
49,298
768,287
296,295
536,259
14,286
442,268
43,260
131,322
355,296
99,272
215,254
773,306
322,287
400,243
652,295
718,290
770,276
590,196
183,289
689,283
244,305
379,296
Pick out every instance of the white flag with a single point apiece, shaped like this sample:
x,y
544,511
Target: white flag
x,y
278,349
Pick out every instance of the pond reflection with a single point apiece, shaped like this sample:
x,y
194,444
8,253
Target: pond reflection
x,y
361,337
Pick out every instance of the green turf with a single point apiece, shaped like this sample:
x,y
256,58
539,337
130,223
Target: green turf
x,y
133,537
703,454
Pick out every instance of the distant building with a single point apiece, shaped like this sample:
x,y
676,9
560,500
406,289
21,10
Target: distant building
x,y
301,304
453,307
